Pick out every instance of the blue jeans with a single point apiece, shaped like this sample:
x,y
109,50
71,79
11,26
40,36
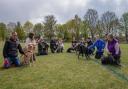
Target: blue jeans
x,y
13,60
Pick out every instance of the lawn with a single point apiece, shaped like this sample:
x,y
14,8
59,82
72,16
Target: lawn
x,y
65,71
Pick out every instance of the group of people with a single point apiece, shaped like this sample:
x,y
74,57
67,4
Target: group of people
x,y
12,46
109,43
56,45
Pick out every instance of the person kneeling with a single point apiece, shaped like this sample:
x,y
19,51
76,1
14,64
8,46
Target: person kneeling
x,y
113,50
60,46
10,51
42,47
100,45
53,45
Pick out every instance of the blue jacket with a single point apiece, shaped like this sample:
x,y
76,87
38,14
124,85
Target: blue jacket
x,y
99,44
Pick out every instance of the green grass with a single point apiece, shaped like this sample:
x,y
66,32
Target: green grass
x,y
65,71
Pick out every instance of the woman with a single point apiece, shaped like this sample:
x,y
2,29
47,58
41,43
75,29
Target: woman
x,y
60,47
31,40
113,51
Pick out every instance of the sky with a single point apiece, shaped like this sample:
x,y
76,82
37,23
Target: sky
x,y
63,10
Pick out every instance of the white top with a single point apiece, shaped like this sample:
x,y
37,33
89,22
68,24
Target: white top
x,y
29,41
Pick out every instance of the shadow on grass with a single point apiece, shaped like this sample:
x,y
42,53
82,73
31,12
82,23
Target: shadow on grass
x,y
115,70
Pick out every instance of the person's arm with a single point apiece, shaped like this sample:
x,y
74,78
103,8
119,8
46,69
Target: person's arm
x,y
92,46
20,49
117,48
106,47
5,49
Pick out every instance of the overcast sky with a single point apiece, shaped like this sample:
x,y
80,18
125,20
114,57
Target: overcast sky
x,y
35,10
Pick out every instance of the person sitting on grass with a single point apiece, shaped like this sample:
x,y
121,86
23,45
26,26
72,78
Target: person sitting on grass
x,y
10,51
113,51
60,46
100,45
53,45
73,46
42,47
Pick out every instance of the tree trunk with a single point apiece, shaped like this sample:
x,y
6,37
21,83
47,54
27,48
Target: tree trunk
x,y
92,34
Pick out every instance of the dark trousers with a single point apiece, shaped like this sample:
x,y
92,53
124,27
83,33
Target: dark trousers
x,y
114,60
12,60
69,50
43,52
98,55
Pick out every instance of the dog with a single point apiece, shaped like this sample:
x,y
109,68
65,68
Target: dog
x,y
82,50
28,57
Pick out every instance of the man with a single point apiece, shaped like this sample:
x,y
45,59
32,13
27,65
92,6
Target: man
x,y
10,51
100,45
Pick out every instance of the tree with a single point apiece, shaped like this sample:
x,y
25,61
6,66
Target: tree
x,y
91,17
70,28
49,26
77,26
109,22
99,27
38,29
83,29
28,26
20,31
3,31
60,31
124,24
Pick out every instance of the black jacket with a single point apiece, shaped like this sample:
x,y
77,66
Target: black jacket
x,y
42,46
11,48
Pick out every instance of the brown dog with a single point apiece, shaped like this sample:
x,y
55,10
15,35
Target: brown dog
x,y
28,57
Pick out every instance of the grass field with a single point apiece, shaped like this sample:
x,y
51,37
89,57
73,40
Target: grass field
x,y
65,71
